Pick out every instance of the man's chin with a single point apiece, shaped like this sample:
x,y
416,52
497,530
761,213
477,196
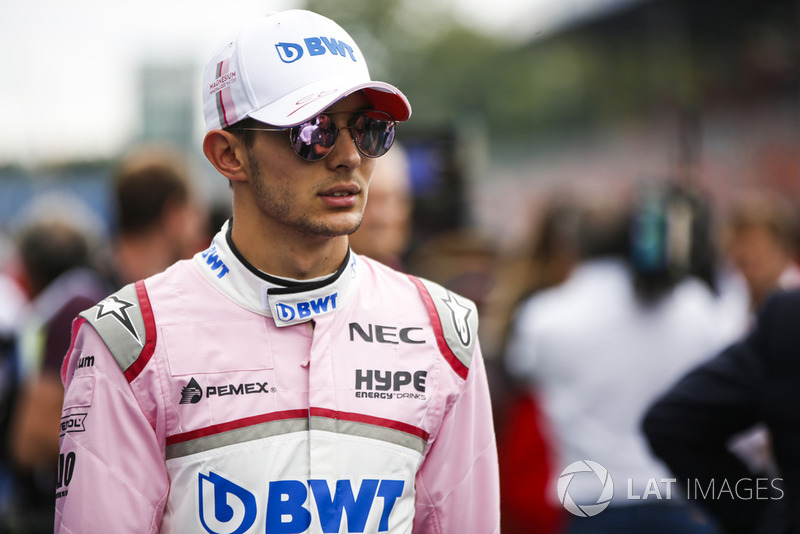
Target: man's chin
x,y
334,227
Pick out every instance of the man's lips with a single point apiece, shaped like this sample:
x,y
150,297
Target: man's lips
x,y
341,196
341,191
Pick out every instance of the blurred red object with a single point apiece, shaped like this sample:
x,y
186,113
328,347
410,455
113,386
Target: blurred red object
x,y
526,468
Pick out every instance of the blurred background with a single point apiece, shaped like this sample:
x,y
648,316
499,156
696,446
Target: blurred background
x,y
685,114
509,97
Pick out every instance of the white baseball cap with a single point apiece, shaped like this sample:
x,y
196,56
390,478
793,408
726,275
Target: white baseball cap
x,y
287,67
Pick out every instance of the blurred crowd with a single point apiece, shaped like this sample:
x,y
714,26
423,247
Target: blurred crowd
x,y
613,297
58,263
600,311
616,297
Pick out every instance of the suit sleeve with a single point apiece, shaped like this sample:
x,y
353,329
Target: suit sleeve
x,y
689,428
112,475
458,483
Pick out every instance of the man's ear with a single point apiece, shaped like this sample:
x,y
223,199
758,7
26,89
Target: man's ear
x,y
227,154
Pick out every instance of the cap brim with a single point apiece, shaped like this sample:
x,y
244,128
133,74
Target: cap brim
x,y
299,106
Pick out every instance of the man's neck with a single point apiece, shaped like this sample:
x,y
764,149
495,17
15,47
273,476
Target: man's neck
x,y
298,258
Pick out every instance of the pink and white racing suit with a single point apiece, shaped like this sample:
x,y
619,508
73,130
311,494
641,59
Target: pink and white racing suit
x,y
215,398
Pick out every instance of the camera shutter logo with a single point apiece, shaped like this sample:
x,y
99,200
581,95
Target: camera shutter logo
x,y
583,466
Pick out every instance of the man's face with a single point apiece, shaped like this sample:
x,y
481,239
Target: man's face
x,y
759,256
325,198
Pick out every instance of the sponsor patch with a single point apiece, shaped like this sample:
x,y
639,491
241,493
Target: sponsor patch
x,y
72,423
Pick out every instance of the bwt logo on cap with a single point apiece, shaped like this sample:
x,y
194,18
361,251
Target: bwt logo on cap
x,y
316,46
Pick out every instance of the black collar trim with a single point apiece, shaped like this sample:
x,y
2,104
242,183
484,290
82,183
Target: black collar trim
x,y
287,286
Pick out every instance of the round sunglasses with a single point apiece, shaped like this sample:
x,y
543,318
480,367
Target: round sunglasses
x,y
372,132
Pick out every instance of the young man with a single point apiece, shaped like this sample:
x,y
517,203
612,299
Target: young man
x,y
278,382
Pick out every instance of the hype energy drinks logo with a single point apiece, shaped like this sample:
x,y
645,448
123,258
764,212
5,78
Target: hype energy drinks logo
x,y
596,489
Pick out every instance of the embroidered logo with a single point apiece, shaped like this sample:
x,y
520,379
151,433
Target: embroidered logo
x,y
118,309
191,393
459,313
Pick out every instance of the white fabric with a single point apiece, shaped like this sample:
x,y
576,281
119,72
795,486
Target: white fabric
x,y
597,358
12,302
790,277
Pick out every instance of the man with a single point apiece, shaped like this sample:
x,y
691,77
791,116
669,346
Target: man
x,y
595,350
157,223
56,269
158,220
762,238
752,381
278,382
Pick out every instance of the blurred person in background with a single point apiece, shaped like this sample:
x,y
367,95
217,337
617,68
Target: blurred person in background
x,y
12,303
159,218
386,227
463,260
525,449
58,273
752,382
545,259
762,236
596,349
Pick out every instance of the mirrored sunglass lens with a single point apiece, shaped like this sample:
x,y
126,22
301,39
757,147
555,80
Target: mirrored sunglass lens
x,y
313,139
374,133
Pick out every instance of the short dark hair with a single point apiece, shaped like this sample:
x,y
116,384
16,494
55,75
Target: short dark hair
x,y
49,248
146,183
247,136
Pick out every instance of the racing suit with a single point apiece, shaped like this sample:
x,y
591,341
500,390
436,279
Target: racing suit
x,y
216,398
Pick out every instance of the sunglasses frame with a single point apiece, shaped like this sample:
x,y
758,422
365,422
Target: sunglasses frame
x,y
294,133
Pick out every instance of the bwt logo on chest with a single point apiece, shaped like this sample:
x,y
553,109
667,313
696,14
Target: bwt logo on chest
x,y
301,310
316,46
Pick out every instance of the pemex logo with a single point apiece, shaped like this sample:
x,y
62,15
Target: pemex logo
x,y
603,500
191,392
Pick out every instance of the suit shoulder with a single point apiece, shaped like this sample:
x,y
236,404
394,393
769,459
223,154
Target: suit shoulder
x,y
124,321
455,321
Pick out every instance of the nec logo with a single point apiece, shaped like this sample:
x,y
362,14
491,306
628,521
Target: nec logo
x,y
303,310
385,334
316,46
228,508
